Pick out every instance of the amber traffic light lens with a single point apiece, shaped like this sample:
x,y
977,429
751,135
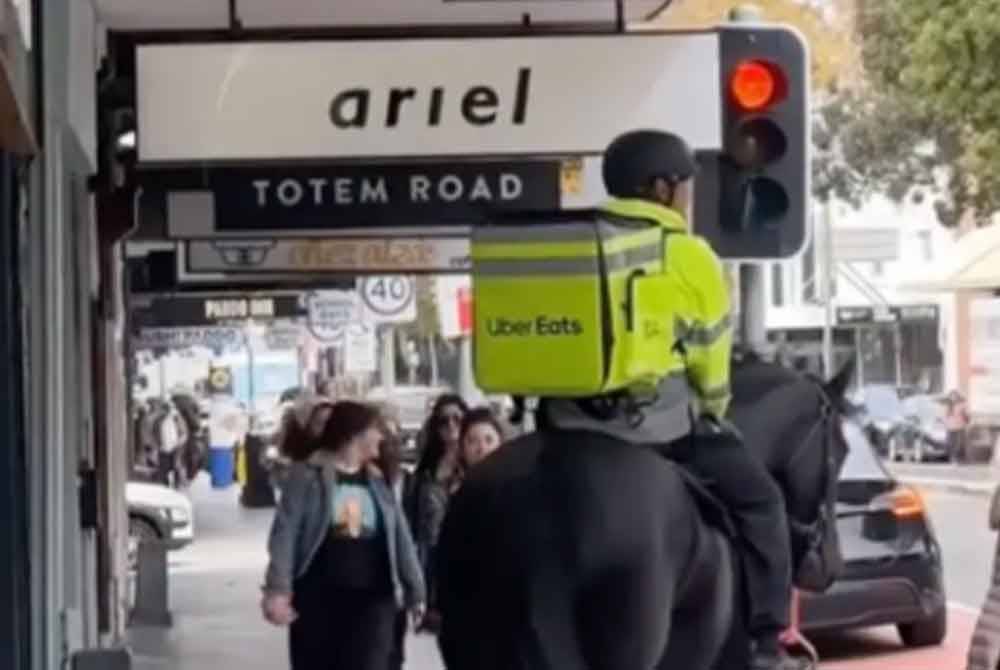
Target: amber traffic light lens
x,y
755,85
757,142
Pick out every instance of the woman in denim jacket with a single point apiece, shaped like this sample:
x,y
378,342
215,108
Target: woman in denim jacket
x,y
342,560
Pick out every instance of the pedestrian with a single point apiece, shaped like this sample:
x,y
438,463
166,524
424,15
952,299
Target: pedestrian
x,y
956,421
172,434
400,481
438,475
342,560
481,435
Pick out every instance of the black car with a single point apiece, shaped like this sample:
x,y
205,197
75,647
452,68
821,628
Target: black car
x,y
892,573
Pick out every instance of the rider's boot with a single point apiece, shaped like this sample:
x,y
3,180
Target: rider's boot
x,y
768,654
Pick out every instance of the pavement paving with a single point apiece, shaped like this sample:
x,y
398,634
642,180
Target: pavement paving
x,y
217,624
976,480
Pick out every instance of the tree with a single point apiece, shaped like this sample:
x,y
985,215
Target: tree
x,y
427,326
828,32
925,119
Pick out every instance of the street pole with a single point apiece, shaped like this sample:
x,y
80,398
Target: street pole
x,y
829,274
753,296
388,367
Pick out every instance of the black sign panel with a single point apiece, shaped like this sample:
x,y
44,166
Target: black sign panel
x,y
861,316
317,198
254,199
187,311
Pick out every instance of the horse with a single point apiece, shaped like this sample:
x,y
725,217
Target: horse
x,y
557,555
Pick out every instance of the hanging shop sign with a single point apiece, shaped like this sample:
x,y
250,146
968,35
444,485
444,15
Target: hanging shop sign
x,y
412,98
405,255
298,201
179,311
886,314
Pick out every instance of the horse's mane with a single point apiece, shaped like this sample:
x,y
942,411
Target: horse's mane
x,y
754,377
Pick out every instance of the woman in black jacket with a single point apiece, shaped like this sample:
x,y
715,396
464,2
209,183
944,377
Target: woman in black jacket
x,y
438,475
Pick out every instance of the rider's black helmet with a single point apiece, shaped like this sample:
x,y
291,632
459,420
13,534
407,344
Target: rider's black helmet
x,y
633,160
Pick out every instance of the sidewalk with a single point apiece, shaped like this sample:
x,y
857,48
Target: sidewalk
x,y
977,480
214,596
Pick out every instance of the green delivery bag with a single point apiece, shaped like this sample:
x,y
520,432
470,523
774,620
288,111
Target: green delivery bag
x,y
569,303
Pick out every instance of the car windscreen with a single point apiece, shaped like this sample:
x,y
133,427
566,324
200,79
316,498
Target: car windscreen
x,y
862,463
882,402
923,406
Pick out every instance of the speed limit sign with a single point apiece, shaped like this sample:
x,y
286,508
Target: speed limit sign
x,y
389,299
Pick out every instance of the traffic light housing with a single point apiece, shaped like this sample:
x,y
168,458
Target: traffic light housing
x,y
752,196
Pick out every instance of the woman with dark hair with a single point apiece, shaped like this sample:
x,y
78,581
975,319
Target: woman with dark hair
x,y
437,476
342,561
481,435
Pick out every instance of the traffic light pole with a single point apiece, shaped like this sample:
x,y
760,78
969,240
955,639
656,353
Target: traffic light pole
x,y
753,305
753,296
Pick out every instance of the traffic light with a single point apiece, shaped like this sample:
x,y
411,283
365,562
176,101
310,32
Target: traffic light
x,y
753,195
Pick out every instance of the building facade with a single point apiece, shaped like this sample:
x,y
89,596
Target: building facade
x,y
896,336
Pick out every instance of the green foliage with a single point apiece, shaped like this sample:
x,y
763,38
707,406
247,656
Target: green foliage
x,y
926,119
427,323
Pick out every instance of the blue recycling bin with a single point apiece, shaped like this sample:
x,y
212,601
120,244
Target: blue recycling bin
x,y
221,466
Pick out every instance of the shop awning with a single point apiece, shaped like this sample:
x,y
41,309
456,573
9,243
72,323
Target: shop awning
x,y
974,264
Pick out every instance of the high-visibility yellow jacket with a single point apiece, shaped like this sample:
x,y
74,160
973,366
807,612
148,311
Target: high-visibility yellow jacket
x,y
704,326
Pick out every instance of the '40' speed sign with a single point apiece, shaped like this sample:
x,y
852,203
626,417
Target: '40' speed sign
x,y
389,298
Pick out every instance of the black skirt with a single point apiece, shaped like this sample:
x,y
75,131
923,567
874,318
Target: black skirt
x,y
343,630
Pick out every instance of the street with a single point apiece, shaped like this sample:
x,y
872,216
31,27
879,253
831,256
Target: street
x,y
214,596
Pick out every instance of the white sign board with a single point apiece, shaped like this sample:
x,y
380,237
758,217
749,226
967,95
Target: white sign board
x,y
865,243
531,95
446,296
360,351
330,312
179,338
443,254
388,299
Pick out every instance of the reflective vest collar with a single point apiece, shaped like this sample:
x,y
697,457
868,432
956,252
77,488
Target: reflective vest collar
x,y
636,208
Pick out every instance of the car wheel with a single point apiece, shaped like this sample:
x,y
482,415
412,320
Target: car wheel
x,y
139,530
928,632
893,449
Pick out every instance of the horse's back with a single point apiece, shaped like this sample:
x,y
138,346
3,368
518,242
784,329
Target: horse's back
x,y
579,539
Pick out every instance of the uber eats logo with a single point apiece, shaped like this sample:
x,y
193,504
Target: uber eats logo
x,y
541,326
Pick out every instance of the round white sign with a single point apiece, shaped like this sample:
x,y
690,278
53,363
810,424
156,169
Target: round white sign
x,y
329,314
387,296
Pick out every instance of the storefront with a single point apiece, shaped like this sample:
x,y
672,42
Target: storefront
x,y
896,344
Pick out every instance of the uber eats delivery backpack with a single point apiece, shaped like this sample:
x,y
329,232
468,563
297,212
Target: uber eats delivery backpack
x,y
571,303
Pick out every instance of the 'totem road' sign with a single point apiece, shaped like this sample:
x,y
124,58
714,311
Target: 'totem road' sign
x,y
389,298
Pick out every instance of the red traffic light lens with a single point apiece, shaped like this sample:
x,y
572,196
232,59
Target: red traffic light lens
x,y
755,85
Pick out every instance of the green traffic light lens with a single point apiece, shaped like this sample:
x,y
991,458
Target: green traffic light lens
x,y
765,202
757,142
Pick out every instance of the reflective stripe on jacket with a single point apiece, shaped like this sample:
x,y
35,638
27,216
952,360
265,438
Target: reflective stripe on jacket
x,y
704,320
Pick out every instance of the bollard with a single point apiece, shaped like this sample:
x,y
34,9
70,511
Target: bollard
x,y
257,491
151,606
113,658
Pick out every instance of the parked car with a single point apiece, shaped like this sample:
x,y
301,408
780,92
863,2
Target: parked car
x,y
924,436
883,417
157,512
892,572
414,405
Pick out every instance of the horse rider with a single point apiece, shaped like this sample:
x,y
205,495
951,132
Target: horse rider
x,y
650,175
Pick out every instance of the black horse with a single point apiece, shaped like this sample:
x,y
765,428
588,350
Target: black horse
x,y
563,554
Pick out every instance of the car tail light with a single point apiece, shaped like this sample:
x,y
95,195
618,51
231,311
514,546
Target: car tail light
x,y
904,503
